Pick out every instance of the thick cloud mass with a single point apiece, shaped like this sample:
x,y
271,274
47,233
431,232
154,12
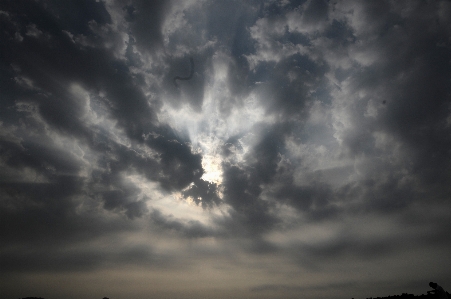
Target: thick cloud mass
x,y
303,151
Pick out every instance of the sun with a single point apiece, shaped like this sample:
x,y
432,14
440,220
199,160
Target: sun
x,y
212,166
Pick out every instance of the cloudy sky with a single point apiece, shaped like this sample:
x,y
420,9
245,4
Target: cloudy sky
x,y
224,149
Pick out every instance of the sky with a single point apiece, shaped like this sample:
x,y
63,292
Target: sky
x,y
224,149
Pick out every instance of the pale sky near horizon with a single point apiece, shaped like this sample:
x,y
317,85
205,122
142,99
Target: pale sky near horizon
x,y
305,153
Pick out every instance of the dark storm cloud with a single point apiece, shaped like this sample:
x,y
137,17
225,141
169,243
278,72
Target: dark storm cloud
x,y
75,16
244,184
43,55
413,72
145,18
52,68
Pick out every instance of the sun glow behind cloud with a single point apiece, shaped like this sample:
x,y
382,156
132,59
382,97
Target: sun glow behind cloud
x,y
211,127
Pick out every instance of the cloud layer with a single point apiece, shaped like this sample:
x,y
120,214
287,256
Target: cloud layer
x,y
304,151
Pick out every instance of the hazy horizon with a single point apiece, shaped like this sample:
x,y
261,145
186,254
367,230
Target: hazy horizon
x,y
224,149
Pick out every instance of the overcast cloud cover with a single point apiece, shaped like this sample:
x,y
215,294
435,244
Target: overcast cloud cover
x,y
224,149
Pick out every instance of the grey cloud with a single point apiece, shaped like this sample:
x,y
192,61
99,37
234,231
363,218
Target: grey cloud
x,y
179,165
187,229
361,249
75,16
276,287
146,20
315,199
288,85
376,194
40,157
263,175
224,25
316,10
98,71
45,258
203,193
242,194
38,210
415,105
288,287
124,199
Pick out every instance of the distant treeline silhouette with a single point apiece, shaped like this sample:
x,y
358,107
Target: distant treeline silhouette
x,y
410,296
